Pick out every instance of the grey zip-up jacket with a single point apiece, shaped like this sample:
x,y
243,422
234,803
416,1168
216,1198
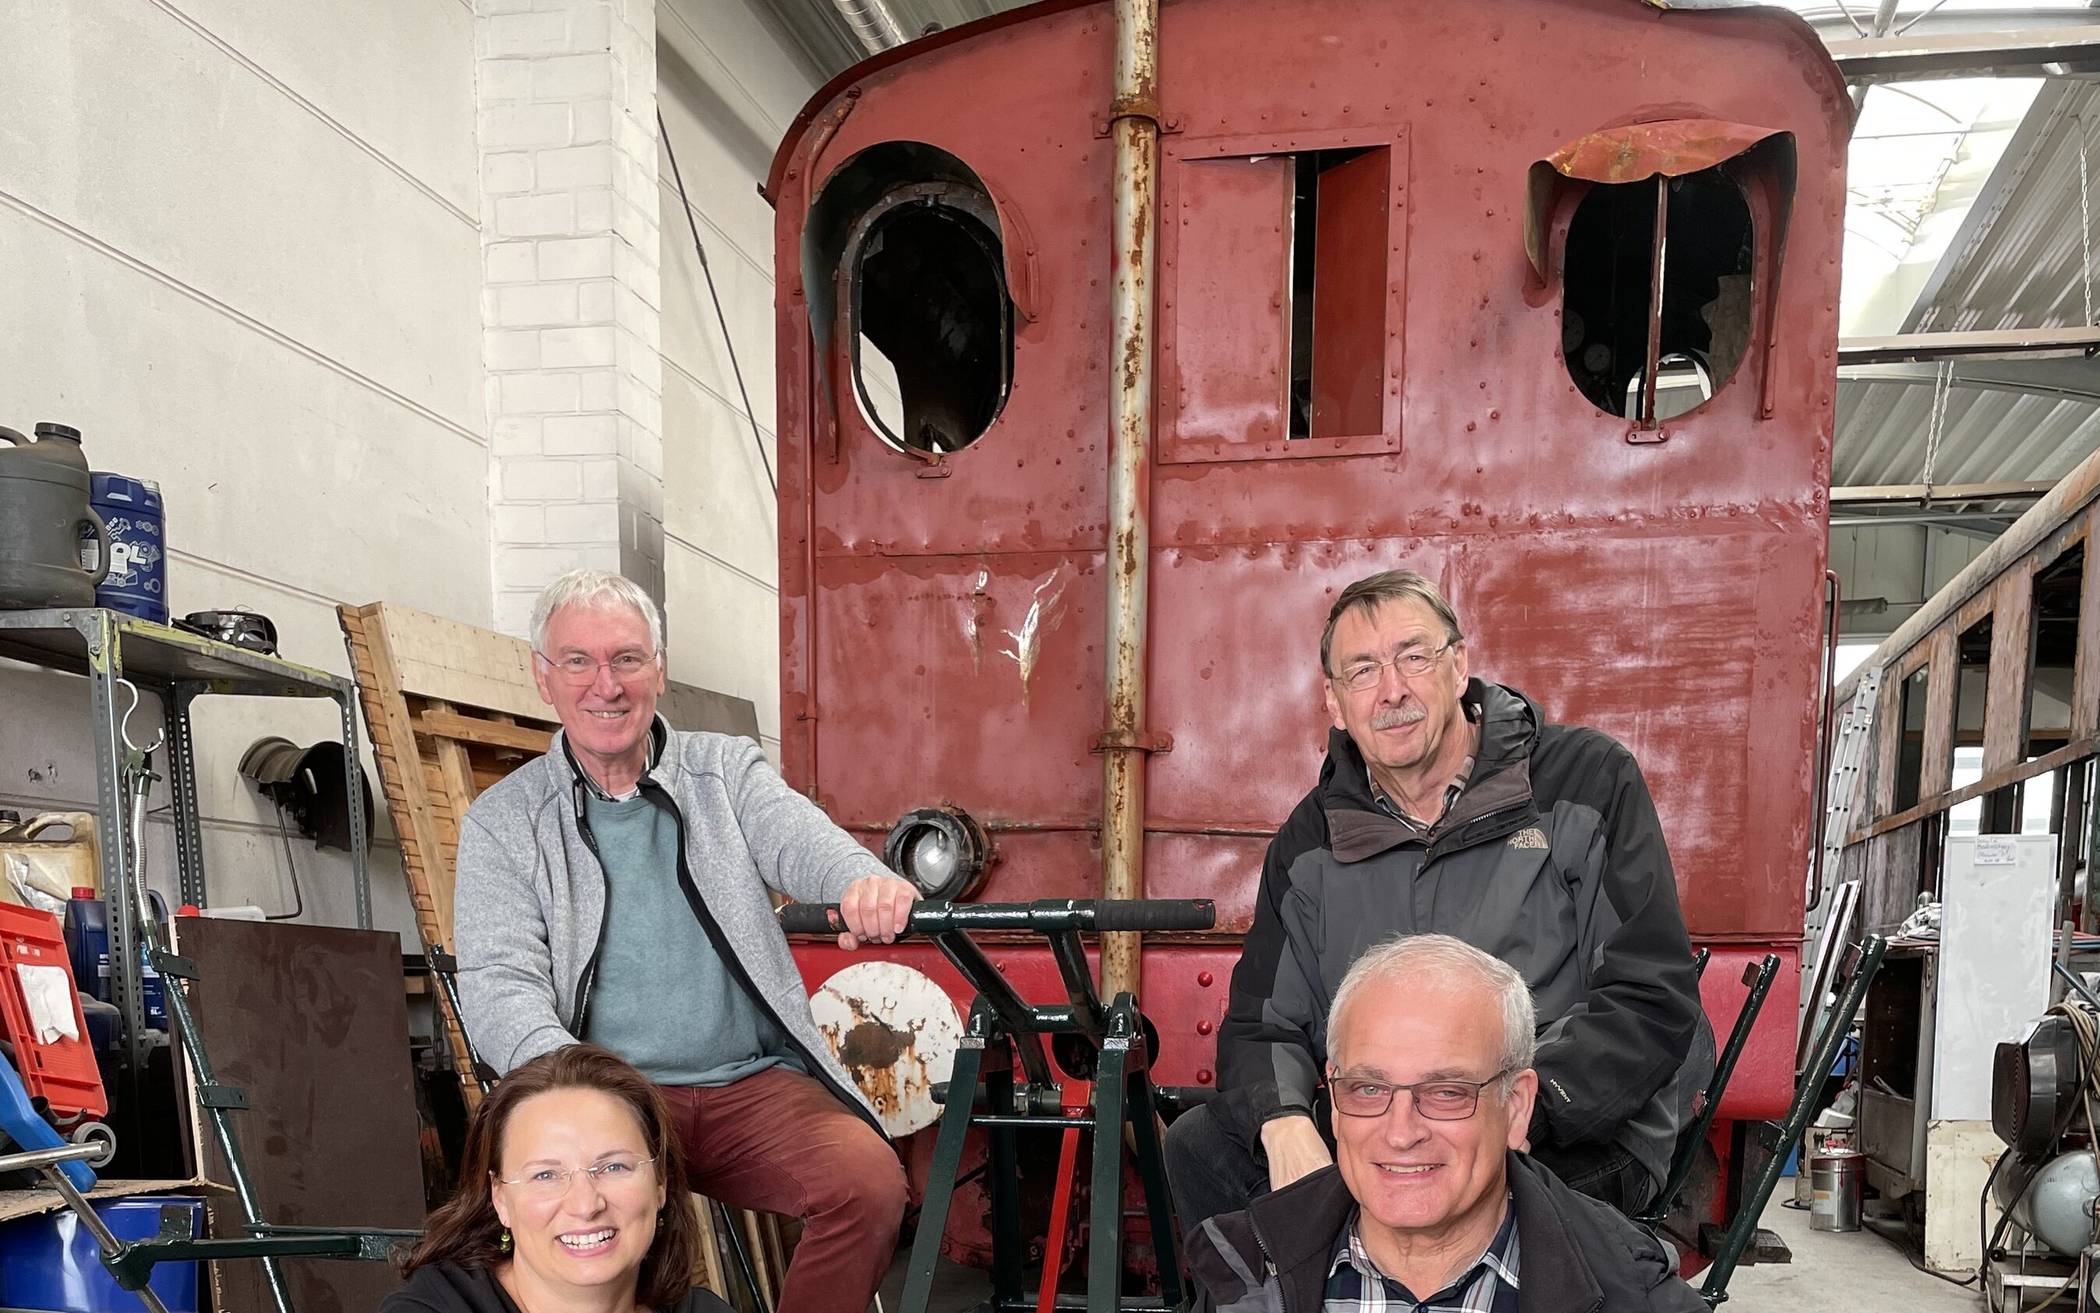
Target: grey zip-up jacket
x,y
529,899
1553,860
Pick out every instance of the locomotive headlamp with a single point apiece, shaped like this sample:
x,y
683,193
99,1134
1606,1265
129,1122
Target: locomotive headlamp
x,y
942,850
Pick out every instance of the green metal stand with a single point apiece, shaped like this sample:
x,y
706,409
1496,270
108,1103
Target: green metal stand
x,y
1005,1040
1808,1086
1759,979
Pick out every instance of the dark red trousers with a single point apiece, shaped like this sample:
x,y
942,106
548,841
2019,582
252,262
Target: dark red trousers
x,y
782,1142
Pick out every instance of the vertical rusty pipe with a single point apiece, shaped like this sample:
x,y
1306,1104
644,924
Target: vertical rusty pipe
x,y
1655,303
1135,117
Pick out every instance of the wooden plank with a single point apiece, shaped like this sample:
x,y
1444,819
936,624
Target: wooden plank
x,y
2012,634
311,1023
460,663
449,724
460,794
2085,707
1937,774
409,803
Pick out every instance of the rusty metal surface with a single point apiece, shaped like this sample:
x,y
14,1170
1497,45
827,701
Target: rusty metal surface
x,y
1134,122
895,1031
1227,261
1667,594
1671,148
1354,221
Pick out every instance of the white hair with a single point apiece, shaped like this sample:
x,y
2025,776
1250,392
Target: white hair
x,y
1445,961
595,589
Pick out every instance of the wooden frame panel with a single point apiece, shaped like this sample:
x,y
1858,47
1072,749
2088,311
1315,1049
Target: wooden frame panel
x,y
1889,750
2005,705
2085,704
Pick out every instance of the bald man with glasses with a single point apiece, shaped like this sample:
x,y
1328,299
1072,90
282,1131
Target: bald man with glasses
x,y
1432,1202
1450,805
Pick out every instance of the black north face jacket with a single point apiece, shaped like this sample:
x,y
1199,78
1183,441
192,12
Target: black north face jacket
x,y
1552,859
1574,1255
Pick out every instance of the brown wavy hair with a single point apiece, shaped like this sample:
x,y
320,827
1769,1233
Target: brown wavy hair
x,y
465,1229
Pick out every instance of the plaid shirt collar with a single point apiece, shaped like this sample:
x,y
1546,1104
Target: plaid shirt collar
x,y
1452,790
1355,1285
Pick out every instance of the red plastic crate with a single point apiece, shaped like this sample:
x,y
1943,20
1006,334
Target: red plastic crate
x,y
62,1073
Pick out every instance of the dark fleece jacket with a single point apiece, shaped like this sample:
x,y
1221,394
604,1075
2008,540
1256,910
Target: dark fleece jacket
x,y
1553,860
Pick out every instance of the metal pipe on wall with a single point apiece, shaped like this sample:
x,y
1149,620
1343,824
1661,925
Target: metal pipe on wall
x,y
1125,745
873,23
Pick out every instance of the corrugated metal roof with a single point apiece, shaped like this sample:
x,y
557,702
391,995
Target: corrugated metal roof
x,y
2020,263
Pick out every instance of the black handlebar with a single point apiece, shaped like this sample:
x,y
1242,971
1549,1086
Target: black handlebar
x,y
1050,914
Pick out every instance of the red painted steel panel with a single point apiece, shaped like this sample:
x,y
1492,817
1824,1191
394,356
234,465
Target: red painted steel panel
x,y
1229,272
1349,297
1764,1078
971,680
1666,593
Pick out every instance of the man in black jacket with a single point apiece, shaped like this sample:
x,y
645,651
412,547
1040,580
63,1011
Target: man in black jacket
x,y
1432,1202
1449,805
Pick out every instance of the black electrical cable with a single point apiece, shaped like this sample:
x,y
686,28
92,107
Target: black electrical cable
x,y
1903,1247
728,342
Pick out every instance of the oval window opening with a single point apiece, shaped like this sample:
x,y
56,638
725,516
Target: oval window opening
x,y
932,323
1608,292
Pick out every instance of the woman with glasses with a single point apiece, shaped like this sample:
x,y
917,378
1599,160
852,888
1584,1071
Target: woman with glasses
x,y
572,1199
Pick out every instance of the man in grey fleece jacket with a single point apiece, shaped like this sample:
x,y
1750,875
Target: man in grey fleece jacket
x,y
615,890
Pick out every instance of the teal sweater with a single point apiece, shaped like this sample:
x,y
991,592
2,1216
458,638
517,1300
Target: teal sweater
x,y
664,999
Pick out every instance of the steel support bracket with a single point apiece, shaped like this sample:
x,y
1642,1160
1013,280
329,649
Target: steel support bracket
x,y
174,964
1168,126
222,1096
1144,740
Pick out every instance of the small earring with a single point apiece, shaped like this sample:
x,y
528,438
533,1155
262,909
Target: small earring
x,y
503,1241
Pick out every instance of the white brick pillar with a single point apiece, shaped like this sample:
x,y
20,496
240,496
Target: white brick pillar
x,y
571,291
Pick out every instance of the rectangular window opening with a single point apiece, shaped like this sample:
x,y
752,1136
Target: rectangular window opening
x,y
1966,818
1910,751
1340,223
1972,688
2053,653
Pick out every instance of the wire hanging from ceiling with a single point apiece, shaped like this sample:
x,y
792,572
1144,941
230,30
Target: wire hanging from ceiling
x,y
728,343
2085,225
1942,386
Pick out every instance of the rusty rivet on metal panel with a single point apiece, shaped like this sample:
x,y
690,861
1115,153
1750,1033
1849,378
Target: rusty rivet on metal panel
x,y
1203,1076
1203,978
1203,1027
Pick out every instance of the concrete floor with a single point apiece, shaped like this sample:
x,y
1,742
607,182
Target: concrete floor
x,y
1857,1271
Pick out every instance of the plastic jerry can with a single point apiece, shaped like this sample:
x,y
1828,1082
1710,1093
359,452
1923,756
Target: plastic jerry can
x,y
41,870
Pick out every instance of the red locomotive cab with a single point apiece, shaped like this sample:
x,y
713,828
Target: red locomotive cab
x,y
1537,297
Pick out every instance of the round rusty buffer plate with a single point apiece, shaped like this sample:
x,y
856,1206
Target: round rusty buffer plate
x,y
895,1031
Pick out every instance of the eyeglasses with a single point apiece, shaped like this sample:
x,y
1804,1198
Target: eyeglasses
x,y
610,1176
579,670
1363,674
1437,1100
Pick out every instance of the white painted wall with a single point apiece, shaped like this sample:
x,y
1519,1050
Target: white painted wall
x,y
728,90
239,242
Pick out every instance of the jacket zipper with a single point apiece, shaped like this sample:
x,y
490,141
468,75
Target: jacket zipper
x,y
658,796
589,975
1268,1263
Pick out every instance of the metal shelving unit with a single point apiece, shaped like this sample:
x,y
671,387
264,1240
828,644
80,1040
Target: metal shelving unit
x,y
108,647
